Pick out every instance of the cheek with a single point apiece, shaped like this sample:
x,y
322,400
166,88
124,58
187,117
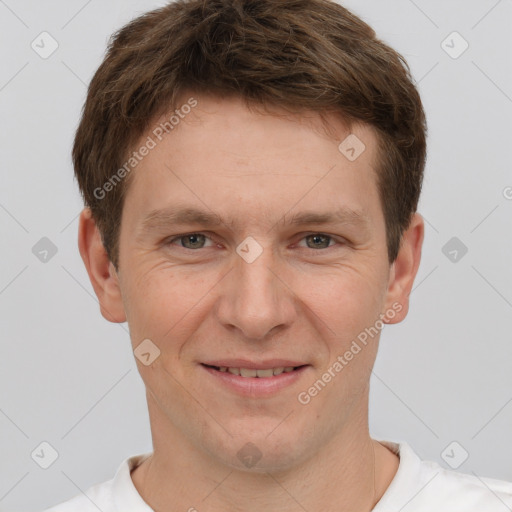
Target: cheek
x,y
346,299
165,304
347,306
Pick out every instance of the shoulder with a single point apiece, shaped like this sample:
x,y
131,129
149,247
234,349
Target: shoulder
x,y
424,486
469,492
97,497
116,495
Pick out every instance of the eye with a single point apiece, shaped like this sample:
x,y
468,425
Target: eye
x,y
318,241
190,240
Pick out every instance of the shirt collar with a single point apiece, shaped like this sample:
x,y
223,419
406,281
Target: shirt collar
x,y
126,496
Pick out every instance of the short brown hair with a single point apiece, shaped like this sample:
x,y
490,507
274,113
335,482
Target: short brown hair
x,y
299,54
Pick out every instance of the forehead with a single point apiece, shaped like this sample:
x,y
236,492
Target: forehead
x,y
224,157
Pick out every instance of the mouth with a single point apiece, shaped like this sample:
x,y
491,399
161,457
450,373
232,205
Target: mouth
x,y
260,380
260,373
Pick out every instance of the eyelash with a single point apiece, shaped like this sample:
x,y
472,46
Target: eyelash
x,y
330,237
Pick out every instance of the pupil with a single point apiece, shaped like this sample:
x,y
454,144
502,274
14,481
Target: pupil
x,y
192,239
317,238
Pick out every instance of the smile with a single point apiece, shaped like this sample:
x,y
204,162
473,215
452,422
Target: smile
x,y
262,380
255,372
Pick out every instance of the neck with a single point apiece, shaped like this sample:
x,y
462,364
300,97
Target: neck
x,y
350,472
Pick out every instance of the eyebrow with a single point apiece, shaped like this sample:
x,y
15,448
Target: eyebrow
x,y
163,218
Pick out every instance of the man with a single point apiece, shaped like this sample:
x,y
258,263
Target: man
x,y
251,172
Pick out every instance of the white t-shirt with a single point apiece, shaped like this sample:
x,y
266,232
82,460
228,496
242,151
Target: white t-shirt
x,y
418,486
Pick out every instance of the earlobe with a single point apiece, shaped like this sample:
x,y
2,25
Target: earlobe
x,y
404,270
101,271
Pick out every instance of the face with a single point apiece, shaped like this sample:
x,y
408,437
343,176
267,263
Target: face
x,y
286,267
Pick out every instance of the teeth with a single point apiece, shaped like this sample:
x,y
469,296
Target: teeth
x,y
251,372
246,372
265,373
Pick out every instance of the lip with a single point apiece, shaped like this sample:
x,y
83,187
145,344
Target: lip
x,y
255,387
252,365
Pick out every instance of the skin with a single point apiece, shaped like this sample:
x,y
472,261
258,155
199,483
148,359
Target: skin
x,y
202,301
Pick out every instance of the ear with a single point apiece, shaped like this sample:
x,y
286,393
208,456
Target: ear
x,y
102,273
403,271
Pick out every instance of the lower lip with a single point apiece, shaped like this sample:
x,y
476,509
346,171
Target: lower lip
x,y
256,386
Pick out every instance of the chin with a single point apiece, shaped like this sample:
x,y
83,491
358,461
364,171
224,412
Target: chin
x,y
264,451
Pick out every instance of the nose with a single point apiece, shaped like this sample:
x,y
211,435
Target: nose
x,y
255,298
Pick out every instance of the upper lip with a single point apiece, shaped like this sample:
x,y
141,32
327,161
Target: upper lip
x,y
256,365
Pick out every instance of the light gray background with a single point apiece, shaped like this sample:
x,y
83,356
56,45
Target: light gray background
x,y
68,377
